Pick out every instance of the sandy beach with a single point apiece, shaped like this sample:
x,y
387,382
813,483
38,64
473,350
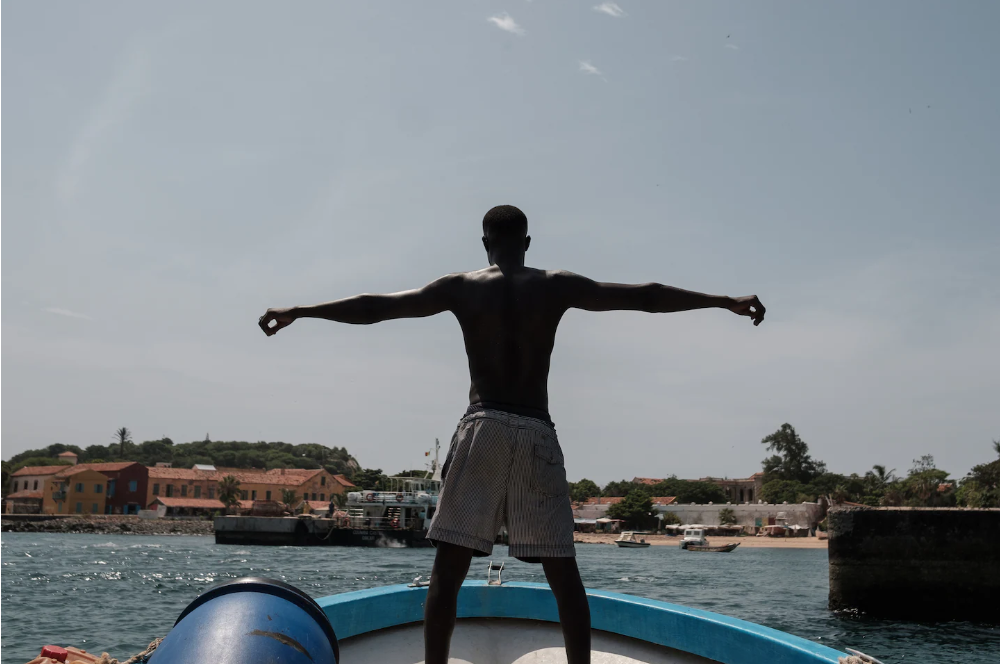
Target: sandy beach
x,y
748,542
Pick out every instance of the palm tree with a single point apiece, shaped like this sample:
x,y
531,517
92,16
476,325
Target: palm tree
x,y
996,447
727,516
878,478
229,491
123,436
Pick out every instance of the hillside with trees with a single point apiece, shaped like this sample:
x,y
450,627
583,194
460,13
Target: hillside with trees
x,y
227,454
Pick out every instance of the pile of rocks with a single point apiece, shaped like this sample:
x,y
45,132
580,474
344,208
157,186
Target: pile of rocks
x,y
109,525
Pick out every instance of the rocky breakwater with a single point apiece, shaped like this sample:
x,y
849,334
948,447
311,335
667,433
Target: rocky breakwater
x,y
108,525
916,563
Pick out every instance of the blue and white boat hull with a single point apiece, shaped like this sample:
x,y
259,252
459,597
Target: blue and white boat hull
x,y
518,622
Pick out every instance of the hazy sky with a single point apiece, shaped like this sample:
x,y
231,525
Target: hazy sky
x,y
173,169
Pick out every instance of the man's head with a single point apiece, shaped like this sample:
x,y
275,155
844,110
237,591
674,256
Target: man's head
x,y
505,232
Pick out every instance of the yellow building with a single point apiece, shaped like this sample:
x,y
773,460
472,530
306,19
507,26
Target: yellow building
x,y
76,490
254,484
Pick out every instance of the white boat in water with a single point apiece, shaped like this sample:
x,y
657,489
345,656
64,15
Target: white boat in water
x,y
628,540
519,623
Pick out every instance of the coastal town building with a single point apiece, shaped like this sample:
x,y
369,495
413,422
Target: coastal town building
x,y
191,507
33,478
127,487
23,502
746,490
597,506
75,490
126,490
307,484
71,457
751,517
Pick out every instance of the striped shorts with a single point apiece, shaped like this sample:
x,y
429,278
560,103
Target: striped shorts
x,y
505,470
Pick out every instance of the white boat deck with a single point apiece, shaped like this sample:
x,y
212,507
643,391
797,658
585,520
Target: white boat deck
x,y
504,641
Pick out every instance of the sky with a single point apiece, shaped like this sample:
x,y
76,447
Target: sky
x,y
171,170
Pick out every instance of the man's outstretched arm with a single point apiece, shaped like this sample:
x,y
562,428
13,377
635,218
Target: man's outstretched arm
x,y
582,293
437,296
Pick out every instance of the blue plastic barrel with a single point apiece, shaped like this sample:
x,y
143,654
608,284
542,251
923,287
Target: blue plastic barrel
x,y
250,621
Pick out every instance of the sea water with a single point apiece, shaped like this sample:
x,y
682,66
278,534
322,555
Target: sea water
x,y
116,593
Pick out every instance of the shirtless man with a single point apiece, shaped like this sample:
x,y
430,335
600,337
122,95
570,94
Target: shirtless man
x,y
505,466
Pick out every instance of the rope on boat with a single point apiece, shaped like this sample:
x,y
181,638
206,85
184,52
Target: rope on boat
x,y
142,657
857,657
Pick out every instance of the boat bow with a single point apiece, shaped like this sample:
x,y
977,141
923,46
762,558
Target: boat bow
x,y
710,635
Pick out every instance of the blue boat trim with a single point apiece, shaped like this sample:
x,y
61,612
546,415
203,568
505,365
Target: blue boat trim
x,y
711,635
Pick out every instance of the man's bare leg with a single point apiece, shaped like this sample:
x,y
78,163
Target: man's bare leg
x,y
451,564
574,611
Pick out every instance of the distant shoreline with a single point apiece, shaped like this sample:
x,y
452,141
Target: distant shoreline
x,y
108,525
749,542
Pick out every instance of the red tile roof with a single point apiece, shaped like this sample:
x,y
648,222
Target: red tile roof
x,y
109,467
25,494
40,470
603,500
202,503
67,454
180,474
647,480
344,481
267,478
72,470
663,500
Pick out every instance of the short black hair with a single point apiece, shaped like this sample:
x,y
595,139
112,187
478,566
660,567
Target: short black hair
x,y
505,221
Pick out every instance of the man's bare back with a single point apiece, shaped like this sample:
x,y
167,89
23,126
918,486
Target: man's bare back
x,y
509,314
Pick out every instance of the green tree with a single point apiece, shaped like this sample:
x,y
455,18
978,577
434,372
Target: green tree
x,y
686,491
38,461
289,497
780,491
122,437
921,487
878,478
229,492
791,460
339,500
669,519
368,479
618,489
580,491
727,516
981,487
635,509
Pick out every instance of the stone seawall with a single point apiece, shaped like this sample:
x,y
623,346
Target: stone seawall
x,y
916,563
107,525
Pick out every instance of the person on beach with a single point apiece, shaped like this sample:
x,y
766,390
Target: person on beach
x,y
505,465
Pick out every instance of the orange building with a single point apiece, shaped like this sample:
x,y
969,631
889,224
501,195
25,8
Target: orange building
x,y
181,483
76,490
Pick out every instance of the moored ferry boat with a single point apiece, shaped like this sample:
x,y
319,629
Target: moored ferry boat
x,y
397,514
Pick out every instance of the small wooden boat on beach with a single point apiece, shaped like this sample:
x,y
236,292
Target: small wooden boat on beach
x,y
726,548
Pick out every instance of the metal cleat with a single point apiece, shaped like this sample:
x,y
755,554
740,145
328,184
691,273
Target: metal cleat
x,y
417,583
489,574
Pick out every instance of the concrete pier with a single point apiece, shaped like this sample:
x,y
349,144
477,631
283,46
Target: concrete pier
x,y
297,531
915,563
